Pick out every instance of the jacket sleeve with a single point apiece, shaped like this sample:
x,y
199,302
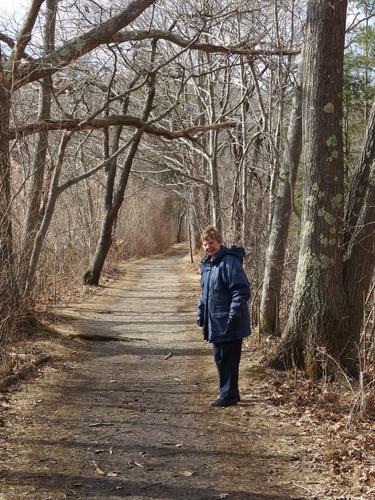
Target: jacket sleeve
x,y
201,303
239,287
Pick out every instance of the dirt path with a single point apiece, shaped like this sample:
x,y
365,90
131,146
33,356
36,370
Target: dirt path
x,y
130,419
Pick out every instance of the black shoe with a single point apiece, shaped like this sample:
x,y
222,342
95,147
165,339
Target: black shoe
x,y
223,402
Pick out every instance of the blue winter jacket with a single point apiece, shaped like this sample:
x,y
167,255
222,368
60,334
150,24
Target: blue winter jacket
x,y
225,293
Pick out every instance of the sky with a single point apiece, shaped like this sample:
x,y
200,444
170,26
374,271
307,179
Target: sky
x,y
14,8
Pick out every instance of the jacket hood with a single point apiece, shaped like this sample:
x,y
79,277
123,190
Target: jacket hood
x,y
238,252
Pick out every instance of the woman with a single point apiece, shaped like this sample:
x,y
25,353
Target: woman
x,y
222,310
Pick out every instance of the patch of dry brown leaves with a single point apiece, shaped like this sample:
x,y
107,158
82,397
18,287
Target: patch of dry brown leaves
x,y
340,437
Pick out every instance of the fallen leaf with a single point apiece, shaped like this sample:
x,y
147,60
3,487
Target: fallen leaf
x,y
187,473
98,470
112,474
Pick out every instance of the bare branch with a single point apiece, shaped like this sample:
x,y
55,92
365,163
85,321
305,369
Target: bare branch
x,y
128,36
98,167
7,39
72,50
110,121
24,36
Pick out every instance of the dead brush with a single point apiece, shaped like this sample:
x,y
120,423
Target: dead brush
x,y
363,403
329,396
7,335
6,363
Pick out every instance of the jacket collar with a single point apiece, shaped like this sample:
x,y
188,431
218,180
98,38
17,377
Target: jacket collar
x,y
213,259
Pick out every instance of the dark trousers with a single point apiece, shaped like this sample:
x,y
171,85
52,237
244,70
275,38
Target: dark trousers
x,y
227,357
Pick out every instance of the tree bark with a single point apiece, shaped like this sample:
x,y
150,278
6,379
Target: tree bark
x,y
359,184
9,295
53,195
360,262
212,144
318,326
273,272
33,214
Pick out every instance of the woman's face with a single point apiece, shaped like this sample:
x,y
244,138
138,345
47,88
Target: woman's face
x,y
211,246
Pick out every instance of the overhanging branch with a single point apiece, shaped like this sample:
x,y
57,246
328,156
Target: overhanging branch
x,y
115,120
139,35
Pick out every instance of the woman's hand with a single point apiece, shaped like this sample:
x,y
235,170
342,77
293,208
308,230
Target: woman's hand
x,y
232,323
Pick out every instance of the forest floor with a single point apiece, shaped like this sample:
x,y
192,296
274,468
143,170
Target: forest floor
x,y
130,417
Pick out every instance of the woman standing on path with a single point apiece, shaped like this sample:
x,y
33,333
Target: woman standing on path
x,y
222,310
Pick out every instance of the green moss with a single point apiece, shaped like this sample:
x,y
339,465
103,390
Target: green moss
x,y
329,108
329,218
336,201
331,141
323,240
334,155
326,262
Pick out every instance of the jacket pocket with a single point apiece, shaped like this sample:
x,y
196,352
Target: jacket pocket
x,y
219,321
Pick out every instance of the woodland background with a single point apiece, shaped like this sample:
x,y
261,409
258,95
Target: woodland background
x,y
126,127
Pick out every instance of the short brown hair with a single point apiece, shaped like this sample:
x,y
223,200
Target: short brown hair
x,y
212,232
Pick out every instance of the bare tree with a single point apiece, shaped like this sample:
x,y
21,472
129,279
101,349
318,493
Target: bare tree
x,y
273,271
17,74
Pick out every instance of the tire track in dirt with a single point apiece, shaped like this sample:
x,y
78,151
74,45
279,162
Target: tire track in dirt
x,y
131,419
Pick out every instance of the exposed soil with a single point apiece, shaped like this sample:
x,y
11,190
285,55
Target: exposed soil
x,y
130,417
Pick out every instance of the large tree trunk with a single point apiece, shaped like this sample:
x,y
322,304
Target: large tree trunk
x,y
8,287
360,217
113,202
318,326
92,275
33,214
273,272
